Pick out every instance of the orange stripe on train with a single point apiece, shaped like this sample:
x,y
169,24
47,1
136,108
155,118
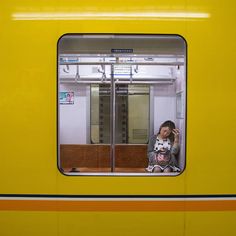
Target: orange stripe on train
x,y
58,205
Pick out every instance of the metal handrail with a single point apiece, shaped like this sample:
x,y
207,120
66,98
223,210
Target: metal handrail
x,y
125,63
118,80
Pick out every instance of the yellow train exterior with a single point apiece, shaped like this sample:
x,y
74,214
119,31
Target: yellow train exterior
x,y
36,199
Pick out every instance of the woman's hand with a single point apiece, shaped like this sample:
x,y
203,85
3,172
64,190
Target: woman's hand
x,y
176,135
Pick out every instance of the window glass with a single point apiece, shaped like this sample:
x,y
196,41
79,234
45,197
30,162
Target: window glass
x,y
121,104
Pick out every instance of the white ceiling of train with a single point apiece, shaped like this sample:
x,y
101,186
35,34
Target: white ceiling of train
x,y
103,44
142,59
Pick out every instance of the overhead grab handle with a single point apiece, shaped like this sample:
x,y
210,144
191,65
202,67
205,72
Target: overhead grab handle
x,y
77,76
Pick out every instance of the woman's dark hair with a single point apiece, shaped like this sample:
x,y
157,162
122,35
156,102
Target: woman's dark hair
x,y
171,125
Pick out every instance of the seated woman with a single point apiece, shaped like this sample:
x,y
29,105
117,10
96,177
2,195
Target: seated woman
x,y
162,149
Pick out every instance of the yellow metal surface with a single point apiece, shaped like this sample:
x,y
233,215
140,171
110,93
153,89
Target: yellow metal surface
x,y
117,223
28,122
29,35
35,223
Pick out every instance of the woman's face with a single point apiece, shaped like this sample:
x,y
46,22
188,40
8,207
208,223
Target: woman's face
x,y
165,132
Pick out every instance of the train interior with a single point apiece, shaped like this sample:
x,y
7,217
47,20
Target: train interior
x,y
114,92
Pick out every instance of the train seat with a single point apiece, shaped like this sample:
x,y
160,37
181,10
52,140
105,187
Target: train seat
x,y
96,157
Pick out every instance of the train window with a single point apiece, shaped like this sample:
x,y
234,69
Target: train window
x,y
121,104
